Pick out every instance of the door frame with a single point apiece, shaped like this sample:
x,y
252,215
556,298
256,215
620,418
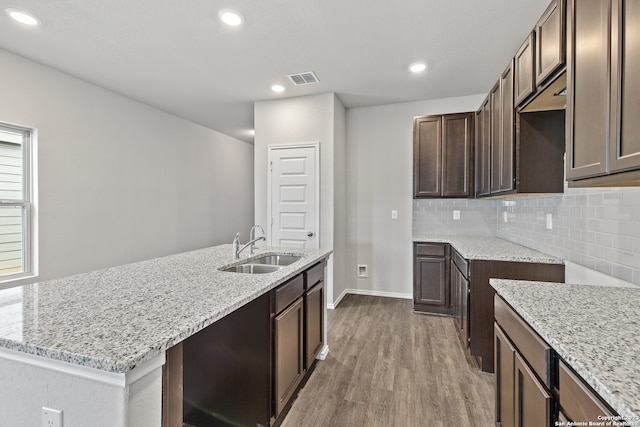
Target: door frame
x,y
270,149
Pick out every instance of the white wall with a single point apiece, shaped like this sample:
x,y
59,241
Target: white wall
x,y
120,181
379,179
313,118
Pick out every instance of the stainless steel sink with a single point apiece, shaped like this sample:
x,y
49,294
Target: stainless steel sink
x,y
253,268
276,259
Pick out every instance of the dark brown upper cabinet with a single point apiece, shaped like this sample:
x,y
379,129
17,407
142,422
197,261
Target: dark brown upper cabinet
x,y
483,148
524,68
443,156
550,41
499,162
603,133
518,152
540,63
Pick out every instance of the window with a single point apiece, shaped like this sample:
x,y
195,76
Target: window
x,y
16,202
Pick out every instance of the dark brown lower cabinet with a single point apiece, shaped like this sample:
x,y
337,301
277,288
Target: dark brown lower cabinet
x,y
534,386
522,399
504,354
289,359
578,402
227,369
244,369
314,314
431,286
534,403
460,295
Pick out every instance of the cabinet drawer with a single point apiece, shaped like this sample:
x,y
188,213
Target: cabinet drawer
x,y
431,249
289,292
461,263
537,352
577,401
314,275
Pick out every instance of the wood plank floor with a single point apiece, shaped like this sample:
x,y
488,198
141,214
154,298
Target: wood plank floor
x,y
388,366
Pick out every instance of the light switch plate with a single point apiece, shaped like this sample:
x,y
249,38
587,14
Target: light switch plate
x,y
394,214
549,221
456,215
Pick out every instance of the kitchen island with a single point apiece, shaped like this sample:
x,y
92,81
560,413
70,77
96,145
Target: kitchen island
x,y
593,329
94,344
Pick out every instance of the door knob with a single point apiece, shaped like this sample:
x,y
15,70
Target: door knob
x,y
309,233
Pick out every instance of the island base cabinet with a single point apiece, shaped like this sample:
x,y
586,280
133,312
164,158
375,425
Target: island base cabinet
x,y
314,329
521,399
227,368
504,354
533,402
289,359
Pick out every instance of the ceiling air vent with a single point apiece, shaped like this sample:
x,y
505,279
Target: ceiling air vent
x,y
303,78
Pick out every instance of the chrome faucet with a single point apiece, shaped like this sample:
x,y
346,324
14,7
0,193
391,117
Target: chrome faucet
x,y
252,240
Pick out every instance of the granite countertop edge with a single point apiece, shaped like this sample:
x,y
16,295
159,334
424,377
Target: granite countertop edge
x,y
490,248
259,284
567,352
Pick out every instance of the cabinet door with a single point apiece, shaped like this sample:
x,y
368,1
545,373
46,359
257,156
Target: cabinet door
x,y
624,152
314,325
507,151
504,365
533,402
457,152
289,359
495,107
431,282
483,148
588,87
550,41
427,156
524,70
455,294
464,309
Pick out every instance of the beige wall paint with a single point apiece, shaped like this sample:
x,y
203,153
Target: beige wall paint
x,y
120,181
379,179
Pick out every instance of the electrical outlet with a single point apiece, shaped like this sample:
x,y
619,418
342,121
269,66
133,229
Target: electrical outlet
x,y
51,417
456,215
362,271
394,214
549,221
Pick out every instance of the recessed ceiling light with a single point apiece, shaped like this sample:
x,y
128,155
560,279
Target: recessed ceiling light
x,y
277,88
418,67
230,17
22,16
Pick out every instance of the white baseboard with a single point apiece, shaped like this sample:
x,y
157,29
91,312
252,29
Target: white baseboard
x,y
323,353
368,293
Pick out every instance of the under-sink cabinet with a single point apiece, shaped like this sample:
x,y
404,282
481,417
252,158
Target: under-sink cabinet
x,y
245,368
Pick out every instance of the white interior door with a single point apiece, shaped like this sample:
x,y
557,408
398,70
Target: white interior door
x,y
293,197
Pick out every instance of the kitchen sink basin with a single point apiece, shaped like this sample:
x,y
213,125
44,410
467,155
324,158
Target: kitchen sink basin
x,y
276,259
253,268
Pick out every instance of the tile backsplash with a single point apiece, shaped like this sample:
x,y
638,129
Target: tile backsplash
x,y
596,228
435,217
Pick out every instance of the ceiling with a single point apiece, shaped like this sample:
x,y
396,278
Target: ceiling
x,y
177,56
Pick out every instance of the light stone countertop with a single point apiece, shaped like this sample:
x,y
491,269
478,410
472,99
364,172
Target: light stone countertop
x,y
595,329
491,249
116,318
